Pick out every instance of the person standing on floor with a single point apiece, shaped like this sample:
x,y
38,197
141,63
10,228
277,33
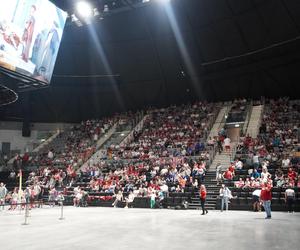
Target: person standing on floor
x,y
290,198
203,193
225,195
3,193
266,197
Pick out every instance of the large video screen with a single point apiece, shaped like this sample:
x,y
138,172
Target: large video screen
x,y
30,35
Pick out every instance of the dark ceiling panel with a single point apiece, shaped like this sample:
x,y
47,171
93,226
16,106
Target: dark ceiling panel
x,y
253,30
209,44
230,37
239,6
217,9
293,7
279,24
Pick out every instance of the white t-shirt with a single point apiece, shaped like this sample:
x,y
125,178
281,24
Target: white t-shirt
x,y
290,192
256,192
227,141
239,165
285,162
255,159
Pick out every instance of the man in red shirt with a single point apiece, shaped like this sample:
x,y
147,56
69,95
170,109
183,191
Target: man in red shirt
x,y
266,197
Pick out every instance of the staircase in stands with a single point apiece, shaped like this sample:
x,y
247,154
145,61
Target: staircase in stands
x,y
255,121
212,193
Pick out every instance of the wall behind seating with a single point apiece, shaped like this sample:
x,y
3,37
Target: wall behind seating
x,y
12,132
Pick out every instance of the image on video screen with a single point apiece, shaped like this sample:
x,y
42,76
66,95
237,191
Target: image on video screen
x,y
30,35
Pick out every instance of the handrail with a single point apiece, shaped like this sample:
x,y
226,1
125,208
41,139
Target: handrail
x,y
248,117
137,128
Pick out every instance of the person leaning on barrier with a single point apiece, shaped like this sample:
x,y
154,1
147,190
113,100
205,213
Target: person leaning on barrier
x,y
129,200
290,198
119,198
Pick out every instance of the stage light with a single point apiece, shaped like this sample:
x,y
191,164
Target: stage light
x,y
84,9
106,9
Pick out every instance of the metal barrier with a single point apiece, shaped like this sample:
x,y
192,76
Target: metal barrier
x,y
27,205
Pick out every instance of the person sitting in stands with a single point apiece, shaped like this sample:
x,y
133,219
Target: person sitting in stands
x,y
291,174
255,174
239,184
265,175
238,164
228,175
232,167
247,183
279,178
285,162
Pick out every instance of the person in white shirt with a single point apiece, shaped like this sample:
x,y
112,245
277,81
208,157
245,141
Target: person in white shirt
x,y
119,198
285,162
255,161
290,198
129,200
3,193
218,172
227,144
256,201
50,154
225,195
238,164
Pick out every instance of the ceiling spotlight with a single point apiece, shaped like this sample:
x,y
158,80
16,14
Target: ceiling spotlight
x,y
96,12
84,9
106,9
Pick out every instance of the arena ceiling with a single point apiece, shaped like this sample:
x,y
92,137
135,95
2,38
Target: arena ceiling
x,y
158,55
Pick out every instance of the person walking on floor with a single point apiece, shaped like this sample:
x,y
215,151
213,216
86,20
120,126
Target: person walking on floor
x,y
203,193
225,195
266,197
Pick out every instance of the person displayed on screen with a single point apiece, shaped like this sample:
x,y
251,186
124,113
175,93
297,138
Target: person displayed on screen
x,y
28,33
51,48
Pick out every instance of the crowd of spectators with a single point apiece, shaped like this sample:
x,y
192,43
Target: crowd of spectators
x,y
274,155
169,154
172,131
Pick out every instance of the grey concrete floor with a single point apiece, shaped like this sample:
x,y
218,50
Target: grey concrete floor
x,y
114,228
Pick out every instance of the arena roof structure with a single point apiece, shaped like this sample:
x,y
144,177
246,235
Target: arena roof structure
x,y
156,53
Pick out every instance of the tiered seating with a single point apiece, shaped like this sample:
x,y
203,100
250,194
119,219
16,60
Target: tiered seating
x,y
72,147
275,150
162,153
176,130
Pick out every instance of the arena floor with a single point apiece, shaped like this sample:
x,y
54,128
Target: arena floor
x,y
116,228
